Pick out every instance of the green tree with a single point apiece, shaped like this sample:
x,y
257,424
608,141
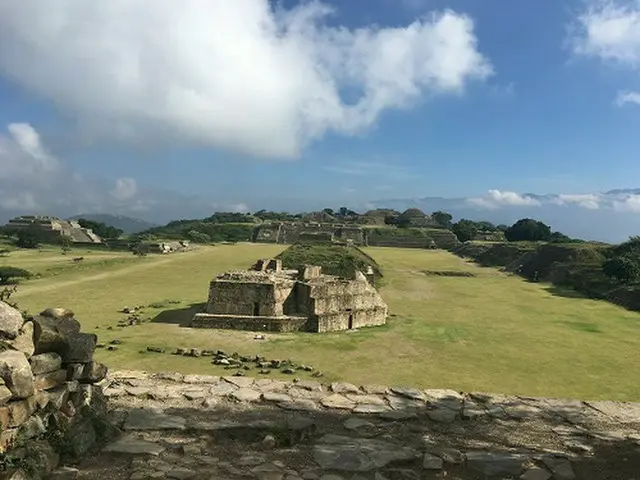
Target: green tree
x,y
625,269
28,238
12,274
527,229
443,219
65,243
198,237
103,230
465,230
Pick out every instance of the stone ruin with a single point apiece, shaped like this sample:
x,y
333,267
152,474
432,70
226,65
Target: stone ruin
x,y
271,298
50,405
54,229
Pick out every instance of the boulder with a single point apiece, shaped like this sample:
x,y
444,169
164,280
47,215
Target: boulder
x,y
16,413
16,373
57,312
75,371
10,321
50,380
47,337
80,348
45,363
24,341
68,326
93,372
5,394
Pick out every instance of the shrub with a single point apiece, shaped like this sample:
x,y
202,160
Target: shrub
x,y
9,275
625,269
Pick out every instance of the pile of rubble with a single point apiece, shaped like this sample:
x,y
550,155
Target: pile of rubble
x,y
49,403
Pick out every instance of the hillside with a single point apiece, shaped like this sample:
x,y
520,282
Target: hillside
x,y
570,266
128,225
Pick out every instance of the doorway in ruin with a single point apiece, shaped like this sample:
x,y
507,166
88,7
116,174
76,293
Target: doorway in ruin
x,y
350,325
256,309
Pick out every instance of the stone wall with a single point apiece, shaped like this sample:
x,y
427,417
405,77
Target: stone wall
x,y
254,324
50,405
241,298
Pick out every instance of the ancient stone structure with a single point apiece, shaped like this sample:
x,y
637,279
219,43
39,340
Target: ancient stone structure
x,y
47,389
199,426
53,228
271,298
325,233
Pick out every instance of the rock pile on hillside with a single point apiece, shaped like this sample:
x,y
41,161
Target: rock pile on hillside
x,y
49,403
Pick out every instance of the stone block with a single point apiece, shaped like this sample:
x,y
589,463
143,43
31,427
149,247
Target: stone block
x,y
80,437
58,396
5,395
94,372
80,348
64,473
24,340
50,380
7,438
30,429
18,412
47,337
45,363
10,321
16,373
75,371
57,313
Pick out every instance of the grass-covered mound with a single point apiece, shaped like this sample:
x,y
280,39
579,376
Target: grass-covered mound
x,y
334,259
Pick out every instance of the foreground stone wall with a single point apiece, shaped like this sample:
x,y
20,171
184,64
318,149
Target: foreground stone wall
x,y
235,427
49,400
250,323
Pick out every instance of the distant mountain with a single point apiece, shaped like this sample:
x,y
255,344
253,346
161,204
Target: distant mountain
x,y
127,224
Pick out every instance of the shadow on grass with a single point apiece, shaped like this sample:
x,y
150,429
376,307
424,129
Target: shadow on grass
x,y
565,292
179,316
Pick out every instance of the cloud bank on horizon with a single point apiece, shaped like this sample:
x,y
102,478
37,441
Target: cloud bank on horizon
x,y
281,89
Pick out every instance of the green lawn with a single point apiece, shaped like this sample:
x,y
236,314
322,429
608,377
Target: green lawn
x,y
488,332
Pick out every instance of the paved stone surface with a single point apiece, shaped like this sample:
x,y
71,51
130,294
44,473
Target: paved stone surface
x,y
274,430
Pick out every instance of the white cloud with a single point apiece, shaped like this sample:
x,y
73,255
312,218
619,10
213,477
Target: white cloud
x,y
18,201
610,31
497,198
231,74
590,201
125,189
627,97
22,154
239,208
630,203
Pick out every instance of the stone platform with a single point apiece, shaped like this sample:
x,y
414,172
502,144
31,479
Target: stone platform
x,y
202,427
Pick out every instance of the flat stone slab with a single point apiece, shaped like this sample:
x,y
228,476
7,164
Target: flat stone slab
x,y
133,446
623,412
496,463
371,409
337,452
337,401
408,392
246,395
151,419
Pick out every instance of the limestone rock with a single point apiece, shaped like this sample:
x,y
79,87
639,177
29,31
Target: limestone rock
x,y
411,393
16,373
47,337
50,380
80,348
5,394
246,395
276,397
152,419
16,413
80,437
367,408
561,468
57,313
337,401
431,462
442,415
58,396
342,387
64,473
10,321
535,473
490,463
30,429
24,341
93,372
335,452
45,363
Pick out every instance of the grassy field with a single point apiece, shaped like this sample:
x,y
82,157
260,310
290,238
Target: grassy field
x,y
487,331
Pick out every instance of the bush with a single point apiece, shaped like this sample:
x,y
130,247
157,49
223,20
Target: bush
x,y
625,269
198,237
528,229
465,230
9,275
28,239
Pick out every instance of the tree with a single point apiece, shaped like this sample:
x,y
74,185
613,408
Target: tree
x,y
198,237
527,229
103,230
558,237
66,244
502,227
465,230
12,275
443,219
485,226
28,238
625,269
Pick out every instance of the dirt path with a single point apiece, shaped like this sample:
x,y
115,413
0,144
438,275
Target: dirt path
x,y
53,285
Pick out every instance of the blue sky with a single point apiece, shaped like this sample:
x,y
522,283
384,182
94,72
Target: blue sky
x,y
249,105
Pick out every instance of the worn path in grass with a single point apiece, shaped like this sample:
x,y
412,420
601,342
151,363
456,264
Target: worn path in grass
x,y
488,331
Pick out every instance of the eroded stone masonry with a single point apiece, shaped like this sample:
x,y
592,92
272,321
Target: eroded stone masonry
x,y
270,298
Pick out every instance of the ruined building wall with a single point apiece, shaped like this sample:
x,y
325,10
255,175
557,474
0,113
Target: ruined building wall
x,y
262,299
